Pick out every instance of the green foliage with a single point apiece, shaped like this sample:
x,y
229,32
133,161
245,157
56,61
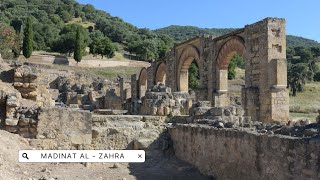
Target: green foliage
x,y
50,32
232,69
28,39
66,43
317,76
101,45
9,41
65,16
193,76
236,61
297,76
295,41
78,46
182,33
301,67
108,48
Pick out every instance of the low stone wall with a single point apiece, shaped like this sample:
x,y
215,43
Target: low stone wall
x,y
128,132
61,128
237,154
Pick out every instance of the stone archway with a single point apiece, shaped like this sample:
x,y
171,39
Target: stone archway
x,y
189,54
142,85
161,74
226,53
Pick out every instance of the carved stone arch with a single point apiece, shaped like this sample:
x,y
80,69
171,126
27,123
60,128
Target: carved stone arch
x,y
228,50
161,74
143,79
187,56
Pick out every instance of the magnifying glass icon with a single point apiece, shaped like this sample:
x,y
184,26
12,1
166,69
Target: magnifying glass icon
x,y
25,155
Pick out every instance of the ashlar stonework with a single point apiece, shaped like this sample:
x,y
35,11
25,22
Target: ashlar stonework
x,y
263,46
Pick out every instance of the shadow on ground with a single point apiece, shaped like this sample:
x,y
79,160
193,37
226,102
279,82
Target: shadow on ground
x,y
162,164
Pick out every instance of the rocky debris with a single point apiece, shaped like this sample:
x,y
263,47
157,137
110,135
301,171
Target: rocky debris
x,y
161,102
232,117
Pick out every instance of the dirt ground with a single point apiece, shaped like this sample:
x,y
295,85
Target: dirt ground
x,y
159,167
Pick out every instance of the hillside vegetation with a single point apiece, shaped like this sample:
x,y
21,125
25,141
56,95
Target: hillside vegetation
x,y
54,23
181,33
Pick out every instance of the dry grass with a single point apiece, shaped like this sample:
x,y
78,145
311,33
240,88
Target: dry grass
x,y
307,101
106,72
79,21
310,116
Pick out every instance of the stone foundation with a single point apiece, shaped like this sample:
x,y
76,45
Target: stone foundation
x,y
128,132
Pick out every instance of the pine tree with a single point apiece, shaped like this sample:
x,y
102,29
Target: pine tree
x,y
78,46
28,39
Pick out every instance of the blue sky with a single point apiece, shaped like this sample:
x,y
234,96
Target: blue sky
x,y
303,16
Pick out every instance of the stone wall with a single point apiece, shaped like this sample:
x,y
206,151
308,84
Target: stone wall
x,y
237,154
128,132
60,128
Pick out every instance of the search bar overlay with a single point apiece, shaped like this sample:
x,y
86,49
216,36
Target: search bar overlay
x,y
48,156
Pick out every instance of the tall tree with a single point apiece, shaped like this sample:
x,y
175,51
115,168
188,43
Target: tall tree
x,y
108,48
28,39
297,77
78,46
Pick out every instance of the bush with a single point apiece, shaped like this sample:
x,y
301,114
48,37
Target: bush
x,y
316,76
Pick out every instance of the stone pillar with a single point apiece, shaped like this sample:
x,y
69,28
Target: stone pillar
x,y
265,94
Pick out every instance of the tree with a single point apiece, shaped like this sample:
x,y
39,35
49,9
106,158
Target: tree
x,y
16,24
108,48
65,16
9,41
297,77
66,43
95,42
232,69
28,39
193,76
78,46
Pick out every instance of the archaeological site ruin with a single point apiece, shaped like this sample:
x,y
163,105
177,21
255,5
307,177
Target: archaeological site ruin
x,y
247,137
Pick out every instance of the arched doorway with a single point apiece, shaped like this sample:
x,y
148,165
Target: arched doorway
x,y
226,53
189,55
161,74
229,49
142,83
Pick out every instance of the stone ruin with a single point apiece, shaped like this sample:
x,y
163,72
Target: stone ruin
x,y
155,109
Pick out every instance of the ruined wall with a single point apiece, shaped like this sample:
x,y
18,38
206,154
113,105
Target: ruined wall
x,y
128,132
263,46
60,128
236,154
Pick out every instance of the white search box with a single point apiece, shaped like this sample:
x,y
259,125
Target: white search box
x,y
48,156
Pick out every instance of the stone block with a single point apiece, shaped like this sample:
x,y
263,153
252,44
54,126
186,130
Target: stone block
x,y
12,129
216,111
167,111
65,126
11,122
24,121
201,111
203,104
